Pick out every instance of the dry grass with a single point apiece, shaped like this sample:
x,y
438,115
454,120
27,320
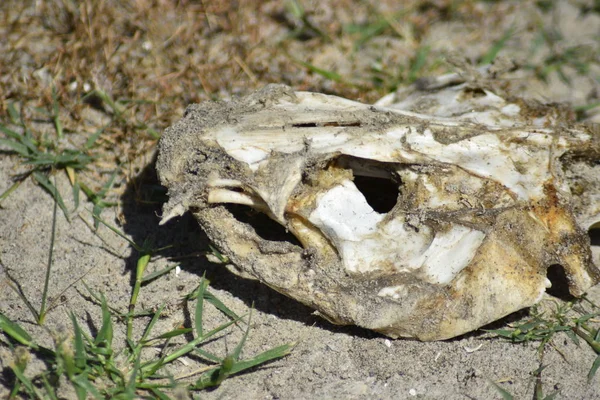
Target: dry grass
x,y
156,57
153,58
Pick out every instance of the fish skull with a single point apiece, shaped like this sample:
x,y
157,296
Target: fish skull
x,y
471,198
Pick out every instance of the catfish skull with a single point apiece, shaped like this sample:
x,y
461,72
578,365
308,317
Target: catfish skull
x,y
486,195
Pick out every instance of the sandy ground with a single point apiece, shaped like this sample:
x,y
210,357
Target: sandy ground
x,y
329,361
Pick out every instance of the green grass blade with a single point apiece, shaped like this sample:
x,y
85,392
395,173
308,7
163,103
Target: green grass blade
x,y
116,231
50,389
24,139
14,285
208,356
331,75
594,369
224,371
80,391
109,184
55,113
41,110
43,309
496,47
238,349
29,386
572,336
11,189
131,382
152,366
13,114
89,144
158,274
152,322
42,160
563,76
587,107
503,392
94,297
89,193
153,133
206,380
78,343
67,158
229,367
418,63
295,8
223,259
105,334
12,134
117,109
83,382
15,390
200,307
141,265
76,190
272,354
18,148
149,368
219,305
230,364
528,326
367,32
50,188
171,334
93,294
14,330
160,395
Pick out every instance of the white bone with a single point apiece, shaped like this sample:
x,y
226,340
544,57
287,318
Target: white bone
x,y
490,194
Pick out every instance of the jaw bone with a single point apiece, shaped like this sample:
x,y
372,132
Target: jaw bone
x,y
488,195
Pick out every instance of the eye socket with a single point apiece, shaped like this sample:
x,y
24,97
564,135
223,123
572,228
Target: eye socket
x,y
381,194
374,180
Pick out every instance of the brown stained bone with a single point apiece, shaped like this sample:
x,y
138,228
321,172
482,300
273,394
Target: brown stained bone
x,y
490,194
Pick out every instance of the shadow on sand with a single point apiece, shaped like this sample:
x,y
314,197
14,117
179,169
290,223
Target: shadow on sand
x,y
142,207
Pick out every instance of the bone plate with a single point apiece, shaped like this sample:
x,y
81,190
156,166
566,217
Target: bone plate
x,y
427,215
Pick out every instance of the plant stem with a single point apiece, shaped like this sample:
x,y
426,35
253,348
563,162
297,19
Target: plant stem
x,y
42,315
142,263
585,336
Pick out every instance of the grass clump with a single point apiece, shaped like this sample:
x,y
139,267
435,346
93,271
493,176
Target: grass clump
x,y
93,367
44,155
571,318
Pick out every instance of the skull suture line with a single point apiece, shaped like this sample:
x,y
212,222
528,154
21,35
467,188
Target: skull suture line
x,y
490,193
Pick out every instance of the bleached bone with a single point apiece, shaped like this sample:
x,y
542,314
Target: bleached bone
x,y
491,193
